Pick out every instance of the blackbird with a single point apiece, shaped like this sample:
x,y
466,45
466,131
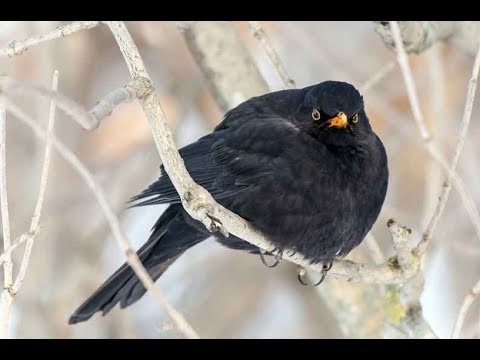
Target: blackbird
x,y
303,166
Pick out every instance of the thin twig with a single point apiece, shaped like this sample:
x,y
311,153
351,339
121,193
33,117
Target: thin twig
x,y
112,219
137,89
7,265
262,37
378,76
18,241
77,112
467,303
18,47
41,192
402,59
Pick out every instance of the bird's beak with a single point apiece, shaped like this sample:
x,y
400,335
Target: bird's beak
x,y
339,121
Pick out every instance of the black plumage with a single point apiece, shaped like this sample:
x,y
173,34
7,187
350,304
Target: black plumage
x,y
303,166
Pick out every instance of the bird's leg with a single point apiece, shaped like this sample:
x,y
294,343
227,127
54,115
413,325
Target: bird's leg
x,y
325,268
277,257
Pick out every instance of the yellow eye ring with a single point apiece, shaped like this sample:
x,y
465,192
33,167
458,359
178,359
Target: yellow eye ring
x,y
355,118
316,115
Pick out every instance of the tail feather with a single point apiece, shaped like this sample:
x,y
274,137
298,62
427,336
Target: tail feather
x,y
170,238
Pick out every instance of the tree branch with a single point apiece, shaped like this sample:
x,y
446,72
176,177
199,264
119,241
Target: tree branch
x,y
420,35
7,265
18,47
136,89
467,303
41,192
229,70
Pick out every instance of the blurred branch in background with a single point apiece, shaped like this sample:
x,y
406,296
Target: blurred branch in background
x,y
420,35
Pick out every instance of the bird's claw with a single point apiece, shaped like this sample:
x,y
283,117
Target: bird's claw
x,y
277,257
325,268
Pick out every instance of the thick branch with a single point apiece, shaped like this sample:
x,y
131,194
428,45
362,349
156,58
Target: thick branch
x,y
418,36
18,47
229,70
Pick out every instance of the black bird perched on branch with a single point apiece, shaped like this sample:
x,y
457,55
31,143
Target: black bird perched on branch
x,y
303,166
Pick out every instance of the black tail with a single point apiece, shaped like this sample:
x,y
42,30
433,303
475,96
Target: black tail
x,y
170,238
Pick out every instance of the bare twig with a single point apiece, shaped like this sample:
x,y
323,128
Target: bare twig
x,y
403,306
112,219
18,47
41,192
425,134
9,85
467,303
7,265
18,241
420,35
378,76
409,82
262,37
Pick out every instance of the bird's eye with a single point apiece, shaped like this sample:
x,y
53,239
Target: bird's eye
x,y
355,118
316,115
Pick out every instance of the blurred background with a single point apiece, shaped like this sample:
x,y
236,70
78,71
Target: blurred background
x,y
224,293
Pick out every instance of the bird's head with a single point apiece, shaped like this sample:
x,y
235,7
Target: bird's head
x,y
333,111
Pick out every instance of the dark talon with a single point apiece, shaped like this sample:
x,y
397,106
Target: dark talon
x,y
301,273
325,268
324,275
301,280
277,258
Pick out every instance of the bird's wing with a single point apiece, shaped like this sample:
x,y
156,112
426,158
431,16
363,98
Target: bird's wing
x,y
228,160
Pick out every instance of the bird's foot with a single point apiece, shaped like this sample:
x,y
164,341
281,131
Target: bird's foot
x,y
301,273
278,254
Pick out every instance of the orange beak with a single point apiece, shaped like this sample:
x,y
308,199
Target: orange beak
x,y
339,121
